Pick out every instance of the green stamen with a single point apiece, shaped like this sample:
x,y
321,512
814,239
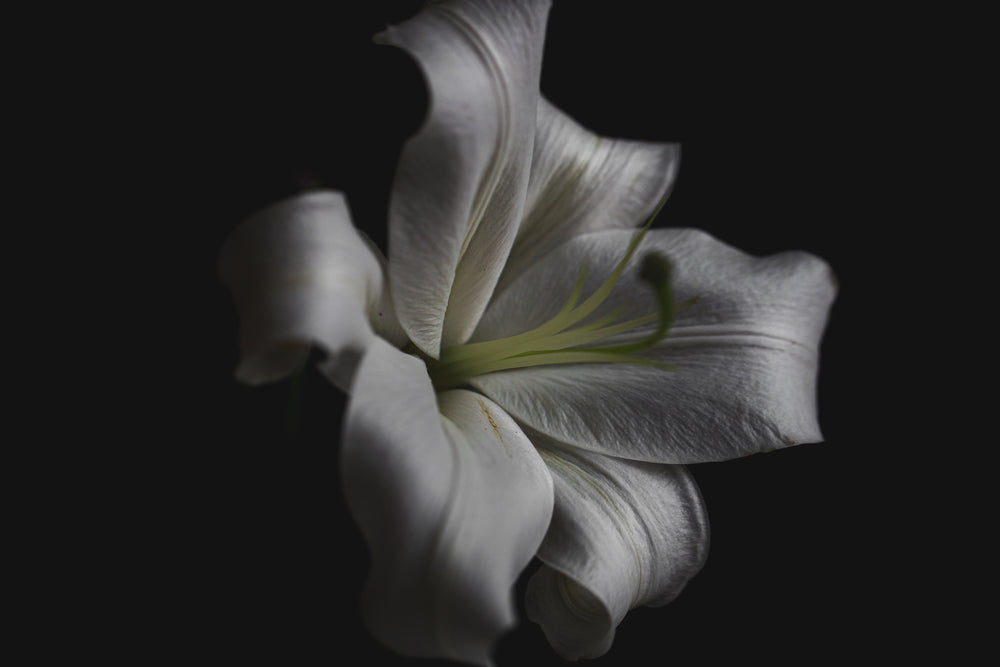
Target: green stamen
x,y
559,341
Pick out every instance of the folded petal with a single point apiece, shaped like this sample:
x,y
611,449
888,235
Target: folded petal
x,y
623,534
745,355
460,185
452,506
300,275
581,182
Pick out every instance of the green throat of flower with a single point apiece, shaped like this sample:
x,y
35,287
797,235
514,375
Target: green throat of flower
x,y
563,339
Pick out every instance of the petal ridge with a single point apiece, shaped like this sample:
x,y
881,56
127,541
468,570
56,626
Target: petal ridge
x,y
462,178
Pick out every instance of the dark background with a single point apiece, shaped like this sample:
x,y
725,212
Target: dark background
x,y
236,545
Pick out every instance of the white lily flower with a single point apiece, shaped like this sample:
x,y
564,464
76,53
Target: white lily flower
x,y
519,387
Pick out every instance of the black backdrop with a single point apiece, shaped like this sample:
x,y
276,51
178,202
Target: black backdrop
x,y
241,548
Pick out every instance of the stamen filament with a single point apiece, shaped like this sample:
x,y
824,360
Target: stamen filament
x,y
589,333
522,340
602,293
556,341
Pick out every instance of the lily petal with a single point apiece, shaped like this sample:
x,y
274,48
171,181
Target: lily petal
x,y
452,505
745,354
581,182
459,189
623,534
300,274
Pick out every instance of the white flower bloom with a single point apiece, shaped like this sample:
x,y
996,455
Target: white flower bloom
x,y
512,392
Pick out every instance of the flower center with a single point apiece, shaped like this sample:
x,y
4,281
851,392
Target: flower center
x,y
563,339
